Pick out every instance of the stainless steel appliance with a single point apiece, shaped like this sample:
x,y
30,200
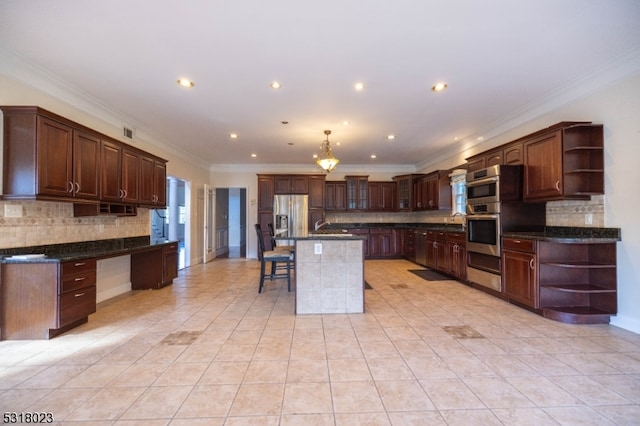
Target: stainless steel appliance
x,y
494,206
290,214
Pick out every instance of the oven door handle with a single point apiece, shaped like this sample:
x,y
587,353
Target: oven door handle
x,y
481,217
482,181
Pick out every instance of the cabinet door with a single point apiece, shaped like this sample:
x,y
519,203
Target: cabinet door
x,y
160,183
403,194
170,262
357,193
543,167
335,196
493,158
476,163
55,153
431,195
519,277
513,154
86,165
382,243
299,184
130,175
147,183
373,194
316,192
110,187
265,194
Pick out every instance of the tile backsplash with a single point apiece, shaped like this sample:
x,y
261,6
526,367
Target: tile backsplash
x,y
46,222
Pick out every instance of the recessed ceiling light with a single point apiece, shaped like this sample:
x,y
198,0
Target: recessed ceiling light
x,y
233,135
254,155
359,86
290,143
275,85
455,138
439,87
185,82
345,123
373,156
480,138
315,155
284,122
391,137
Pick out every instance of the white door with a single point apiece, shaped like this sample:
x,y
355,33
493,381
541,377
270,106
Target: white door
x,y
209,224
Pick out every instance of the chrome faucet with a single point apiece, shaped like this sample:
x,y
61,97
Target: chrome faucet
x,y
463,216
319,225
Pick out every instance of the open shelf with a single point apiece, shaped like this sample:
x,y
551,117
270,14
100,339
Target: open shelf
x,y
580,265
580,288
577,314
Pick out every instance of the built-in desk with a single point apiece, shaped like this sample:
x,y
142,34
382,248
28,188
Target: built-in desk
x,y
44,296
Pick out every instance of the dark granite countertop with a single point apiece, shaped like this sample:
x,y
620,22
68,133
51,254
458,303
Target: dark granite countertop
x,y
81,250
565,234
446,227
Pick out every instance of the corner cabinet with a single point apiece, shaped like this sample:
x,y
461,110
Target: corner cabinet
x,y
357,192
432,191
571,282
566,162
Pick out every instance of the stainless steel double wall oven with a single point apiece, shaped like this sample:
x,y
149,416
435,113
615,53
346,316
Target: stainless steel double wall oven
x,y
494,206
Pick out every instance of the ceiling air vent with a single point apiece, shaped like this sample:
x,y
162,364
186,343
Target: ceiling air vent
x,y
128,133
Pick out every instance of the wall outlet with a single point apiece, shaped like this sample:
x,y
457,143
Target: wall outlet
x,y
588,219
12,210
317,248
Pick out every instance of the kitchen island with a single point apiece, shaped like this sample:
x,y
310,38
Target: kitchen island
x,y
329,273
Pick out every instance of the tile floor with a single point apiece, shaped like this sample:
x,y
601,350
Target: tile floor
x,y
210,350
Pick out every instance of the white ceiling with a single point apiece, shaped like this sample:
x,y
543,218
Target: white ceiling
x,y
501,59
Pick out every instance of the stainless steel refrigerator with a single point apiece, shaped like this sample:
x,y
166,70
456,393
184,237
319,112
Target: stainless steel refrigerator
x,y
290,214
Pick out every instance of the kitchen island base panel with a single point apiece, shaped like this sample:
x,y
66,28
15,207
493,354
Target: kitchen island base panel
x,y
330,282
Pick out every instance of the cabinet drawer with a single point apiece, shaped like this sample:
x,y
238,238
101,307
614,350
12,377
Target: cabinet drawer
x,y
458,237
528,246
170,248
436,235
84,279
77,304
80,266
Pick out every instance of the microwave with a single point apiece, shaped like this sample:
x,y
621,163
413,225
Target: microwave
x,y
494,184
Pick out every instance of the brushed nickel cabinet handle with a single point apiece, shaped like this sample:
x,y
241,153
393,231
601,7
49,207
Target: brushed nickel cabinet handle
x,y
77,187
70,187
80,279
557,185
79,294
80,264
531,264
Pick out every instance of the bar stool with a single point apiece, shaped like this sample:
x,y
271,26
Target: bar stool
x,y
274,257
286,248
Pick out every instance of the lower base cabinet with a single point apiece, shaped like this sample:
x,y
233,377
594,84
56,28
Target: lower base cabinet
x,y
519,276
43,300
155,267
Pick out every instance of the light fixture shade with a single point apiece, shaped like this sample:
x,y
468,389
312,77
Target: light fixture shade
x,y
326,160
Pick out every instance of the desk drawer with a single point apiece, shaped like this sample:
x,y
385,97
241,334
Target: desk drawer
x,y
77,304
78,267
528,246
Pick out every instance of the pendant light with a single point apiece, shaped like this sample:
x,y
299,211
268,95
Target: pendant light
x,y
326,160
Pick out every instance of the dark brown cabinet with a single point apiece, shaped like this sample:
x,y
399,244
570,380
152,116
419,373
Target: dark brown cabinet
x,y
56,296
357,192
153,186
571,282
291,184
120,173
383,243
51,158
566,162
155,267
436,250
510,154
519,271
456,254
404,192
335,196
381,196
46,158
362,232
432,191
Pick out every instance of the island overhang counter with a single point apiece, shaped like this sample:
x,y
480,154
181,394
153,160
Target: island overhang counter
x,y
329,273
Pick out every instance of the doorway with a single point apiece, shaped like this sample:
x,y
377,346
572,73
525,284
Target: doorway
x,y
172,222
231,222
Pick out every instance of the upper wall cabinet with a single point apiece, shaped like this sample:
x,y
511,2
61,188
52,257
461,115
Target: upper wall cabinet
x,y
291,184
432,191
45,158
566,162
48,157
153,186
511,154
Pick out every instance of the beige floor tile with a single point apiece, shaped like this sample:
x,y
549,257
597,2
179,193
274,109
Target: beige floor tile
x,y
589,391
379,349
107,404
139,375
160,402
389,369
307,370
355,397
208,401
307,398
470,417
53,377
266,372
578,416
451,394
258,399
404,395
231,352
308,349
543,392
496,392
17,400
349,370
181,373
224,373
253,421
369,419
307,420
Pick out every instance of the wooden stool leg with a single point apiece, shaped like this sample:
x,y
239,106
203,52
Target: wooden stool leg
x,y
262,271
